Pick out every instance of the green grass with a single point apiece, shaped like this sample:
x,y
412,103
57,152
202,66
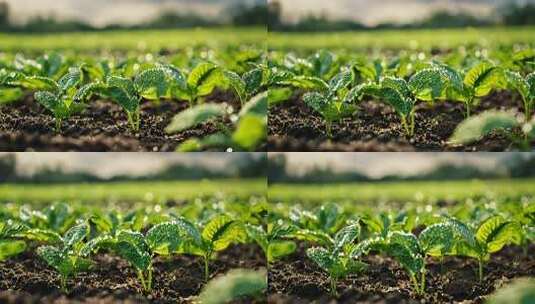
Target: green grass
x,y
148,40
131,192
404,39
369,193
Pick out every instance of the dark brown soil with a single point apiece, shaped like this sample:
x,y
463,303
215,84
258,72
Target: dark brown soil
x,y
297,280
376,127
26,279
102,126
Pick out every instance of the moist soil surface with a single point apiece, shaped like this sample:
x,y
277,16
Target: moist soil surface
x,y
27,279
376,127
296,279
102,126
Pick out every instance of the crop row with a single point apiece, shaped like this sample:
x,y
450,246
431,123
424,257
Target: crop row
x,y
338,240
65,88
334,86
67,239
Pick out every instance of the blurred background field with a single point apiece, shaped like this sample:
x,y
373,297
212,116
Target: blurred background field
x,y
407,39
135,25
384,180
141,40
308,25
126,180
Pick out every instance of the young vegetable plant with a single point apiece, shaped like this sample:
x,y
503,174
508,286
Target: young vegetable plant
x,y
217,235
490,236
427,84
331,104
163,239
526,89
336,259
275,242
58,97
202,81
411,251
393,91
119,89
66,257
479,81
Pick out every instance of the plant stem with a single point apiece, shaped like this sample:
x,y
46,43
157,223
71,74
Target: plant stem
x,y
328,126
142,280
480,270
206,270
149,279
63,282
334,292
422,287
415,284
58,124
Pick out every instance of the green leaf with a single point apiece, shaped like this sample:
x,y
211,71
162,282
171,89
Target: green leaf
x,y
367,70
530,79
87,91
195,116
322,63
122,83
397,84
341,81
137,257
134,238
56,258
221,231
151,84
462,231
496,232
8,95
436,240
41,235
236,83
482,78
323,258
201,73
316,101
395,99
427,84
250,132
279,249
10,248
52,103
476,127
72,79
129,103
278,95
75,235
405,239
259,235
39,83
346,236
234,286
94,245
515,81
164,238
253,81
189,230
364,247
411,261
306,83
258,105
